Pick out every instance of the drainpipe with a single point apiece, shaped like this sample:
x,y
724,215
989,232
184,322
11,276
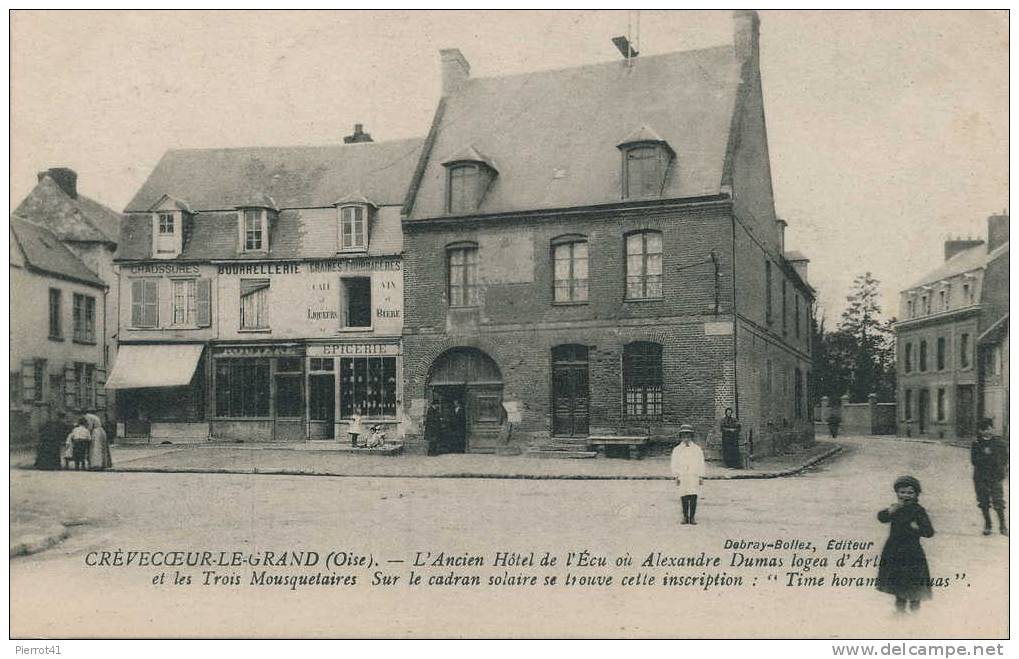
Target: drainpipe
x,y
735,345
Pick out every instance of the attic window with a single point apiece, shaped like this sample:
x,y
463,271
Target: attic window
x,y
468,176
254,230
353,233
646,160
167,229
644,169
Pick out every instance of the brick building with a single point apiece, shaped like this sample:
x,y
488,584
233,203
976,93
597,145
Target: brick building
x,y
949,342
62,248
594,253
263,292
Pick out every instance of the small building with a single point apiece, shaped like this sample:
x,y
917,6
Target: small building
x,y
263,293
949,342
593,254
62,250
57,323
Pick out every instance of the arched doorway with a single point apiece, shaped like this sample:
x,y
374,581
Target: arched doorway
x,y
472,377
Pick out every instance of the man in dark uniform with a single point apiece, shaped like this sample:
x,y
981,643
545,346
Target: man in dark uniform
x,y
433,427
989,455
51,442
730,440
458,428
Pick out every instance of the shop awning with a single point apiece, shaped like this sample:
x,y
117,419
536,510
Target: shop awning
x,y
168,365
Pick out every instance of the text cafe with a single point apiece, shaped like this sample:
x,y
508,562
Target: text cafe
x,y
305,390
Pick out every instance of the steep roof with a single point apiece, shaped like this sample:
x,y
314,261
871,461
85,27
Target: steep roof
x,y
71,218
294,177
44,252
554,133
973,258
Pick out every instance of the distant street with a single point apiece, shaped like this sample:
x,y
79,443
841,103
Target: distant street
x,y
393,518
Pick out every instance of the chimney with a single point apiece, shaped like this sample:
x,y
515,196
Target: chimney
x,y
799,264
358,136
953,247
997,231
780,226
67,179
455,71
746,38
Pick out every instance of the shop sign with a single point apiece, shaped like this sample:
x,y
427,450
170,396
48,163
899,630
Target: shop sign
x,y
353,349
260,351
164,269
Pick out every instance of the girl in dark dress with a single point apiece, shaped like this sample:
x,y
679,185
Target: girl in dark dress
x,y
903,570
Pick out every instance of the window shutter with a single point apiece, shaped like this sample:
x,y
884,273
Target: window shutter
x,y
100,387
70,387
150,312
28,380
203,302
137,302
343,303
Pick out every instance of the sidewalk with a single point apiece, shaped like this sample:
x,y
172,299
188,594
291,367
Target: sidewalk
x,y
274,459
32,532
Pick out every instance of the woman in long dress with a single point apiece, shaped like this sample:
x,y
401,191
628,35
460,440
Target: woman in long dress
x,y
99,455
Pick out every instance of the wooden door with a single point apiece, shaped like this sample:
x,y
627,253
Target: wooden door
x,y
571,400
965,402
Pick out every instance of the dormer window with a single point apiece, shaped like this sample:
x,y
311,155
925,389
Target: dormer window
x,y
254,229
469,175
353,228
166,239
171,223
353,222
646,161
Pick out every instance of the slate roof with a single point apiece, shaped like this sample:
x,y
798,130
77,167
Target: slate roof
x,y
78,219
44,252
294,177
973,258
554,133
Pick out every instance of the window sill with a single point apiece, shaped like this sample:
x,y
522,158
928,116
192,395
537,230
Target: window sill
x,y
464,306
569,303
352,250
185,327
255,330
643,299
56,338
83,342
143,329
349,330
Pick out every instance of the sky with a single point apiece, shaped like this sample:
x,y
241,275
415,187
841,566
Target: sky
x,y
888,131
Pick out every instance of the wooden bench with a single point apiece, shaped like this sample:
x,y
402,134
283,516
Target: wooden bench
x,y
636,445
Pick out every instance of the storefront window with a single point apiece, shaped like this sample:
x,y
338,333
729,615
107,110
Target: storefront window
x,y
370,384
242,388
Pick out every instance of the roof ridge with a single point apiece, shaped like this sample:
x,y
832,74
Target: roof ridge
x,y
295,146
605,63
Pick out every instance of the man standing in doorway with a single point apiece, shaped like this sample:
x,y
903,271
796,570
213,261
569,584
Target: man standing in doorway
x,y
688,470
730,440
433,427
458,421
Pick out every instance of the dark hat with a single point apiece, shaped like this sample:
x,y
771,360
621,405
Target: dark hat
x,y
906,481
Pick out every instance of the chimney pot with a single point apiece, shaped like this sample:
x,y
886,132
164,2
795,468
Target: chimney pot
x,y
455,70
65,178
358,135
